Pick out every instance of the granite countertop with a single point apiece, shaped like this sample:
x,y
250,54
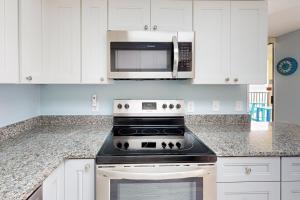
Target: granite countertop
x,y
27,159
258,139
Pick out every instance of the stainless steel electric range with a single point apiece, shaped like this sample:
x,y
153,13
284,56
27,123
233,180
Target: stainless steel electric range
x,y
151,154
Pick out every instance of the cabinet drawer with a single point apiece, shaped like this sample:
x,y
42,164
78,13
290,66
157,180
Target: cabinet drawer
x,y
290,190
248,169
290,169
249,191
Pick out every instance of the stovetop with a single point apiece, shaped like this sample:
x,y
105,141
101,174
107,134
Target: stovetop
x,y
152,131
161,147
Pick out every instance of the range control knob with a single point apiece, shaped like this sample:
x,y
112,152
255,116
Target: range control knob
x,y
171,145
178,106
119,106
178,145
119,145
126,106
164,145
164,106
171,106
126,145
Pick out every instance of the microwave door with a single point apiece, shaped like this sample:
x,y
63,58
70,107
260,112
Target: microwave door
x,y
176,57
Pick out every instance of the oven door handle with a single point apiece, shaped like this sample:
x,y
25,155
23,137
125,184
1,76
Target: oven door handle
x,y
176,57
113,174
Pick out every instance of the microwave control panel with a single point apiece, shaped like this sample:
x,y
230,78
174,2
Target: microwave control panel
x,y
185,56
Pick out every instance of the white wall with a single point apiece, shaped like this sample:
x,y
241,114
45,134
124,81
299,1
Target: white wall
x,y
76,99
287,88
18,102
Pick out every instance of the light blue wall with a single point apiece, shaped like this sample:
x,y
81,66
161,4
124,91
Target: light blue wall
x,y
287,96
76,99
18,102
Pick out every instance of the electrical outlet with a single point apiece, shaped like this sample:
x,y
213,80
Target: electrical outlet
x,y
216,105
95,106
239,106
190,107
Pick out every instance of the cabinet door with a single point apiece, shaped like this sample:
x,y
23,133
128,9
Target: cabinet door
x,y
61,41
31,41
212,42
9,62
129,14
290,169
53,186
94,54
249,191
249,42
248,169
290,190
172,15
80,179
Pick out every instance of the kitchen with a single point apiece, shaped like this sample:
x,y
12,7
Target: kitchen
x,y
131,99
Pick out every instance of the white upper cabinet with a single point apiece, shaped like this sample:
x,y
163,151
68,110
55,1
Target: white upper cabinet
x,y
61,41
212,42
31,41
129,14
249,39
155,15
94,52
80,179
9,57
172,15
231,42
50,41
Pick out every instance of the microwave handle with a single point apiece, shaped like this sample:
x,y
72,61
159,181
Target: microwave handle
x,y
112,174
176,57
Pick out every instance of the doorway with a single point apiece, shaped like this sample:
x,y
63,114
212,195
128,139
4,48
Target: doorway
x,y
260,97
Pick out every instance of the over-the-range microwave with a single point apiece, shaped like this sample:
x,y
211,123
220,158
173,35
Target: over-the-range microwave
x,y
150,55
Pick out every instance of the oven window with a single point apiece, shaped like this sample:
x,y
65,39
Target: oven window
x,y
141,57
179,189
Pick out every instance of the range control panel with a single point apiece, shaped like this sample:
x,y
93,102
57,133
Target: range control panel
x,y
149,143
148,108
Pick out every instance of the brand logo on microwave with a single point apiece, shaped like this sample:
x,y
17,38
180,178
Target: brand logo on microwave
x,y
151,46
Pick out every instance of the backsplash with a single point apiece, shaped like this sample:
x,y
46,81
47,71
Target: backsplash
x,y
21,102
18,103
76,99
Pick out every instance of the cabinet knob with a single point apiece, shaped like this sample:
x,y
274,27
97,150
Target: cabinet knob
x,y
146,27
101,79
248,171
227,79
236,80
29,78
155,27
87,167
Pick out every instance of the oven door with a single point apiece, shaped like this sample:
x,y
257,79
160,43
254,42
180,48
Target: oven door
x,y
156,182
149,55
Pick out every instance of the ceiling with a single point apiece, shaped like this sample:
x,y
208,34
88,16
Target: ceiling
x,y
284,16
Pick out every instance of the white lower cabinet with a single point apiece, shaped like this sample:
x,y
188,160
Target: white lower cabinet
x,y
72,180
290,176
249,191
290,190
54,185
248,178
80,179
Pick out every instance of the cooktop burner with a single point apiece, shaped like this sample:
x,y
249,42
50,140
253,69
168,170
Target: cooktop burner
x,y
143,131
